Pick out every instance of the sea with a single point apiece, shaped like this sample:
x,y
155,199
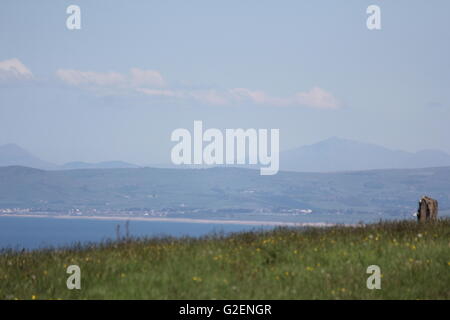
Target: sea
x,y
31,233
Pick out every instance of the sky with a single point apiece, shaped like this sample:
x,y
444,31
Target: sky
x,y
116,88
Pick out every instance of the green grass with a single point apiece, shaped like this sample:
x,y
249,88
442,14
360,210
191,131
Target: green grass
x,y
280,264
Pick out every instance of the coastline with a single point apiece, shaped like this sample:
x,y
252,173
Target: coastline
x,y
183,220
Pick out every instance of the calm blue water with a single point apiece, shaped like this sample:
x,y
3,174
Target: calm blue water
x,y
33,233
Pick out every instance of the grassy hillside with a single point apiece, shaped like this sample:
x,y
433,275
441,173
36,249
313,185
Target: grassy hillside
x,y
279,264
226,189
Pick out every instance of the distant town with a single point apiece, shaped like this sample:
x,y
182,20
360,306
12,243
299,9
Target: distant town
x,y
146,212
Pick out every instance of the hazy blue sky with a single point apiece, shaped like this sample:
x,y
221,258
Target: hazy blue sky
x,y
137,70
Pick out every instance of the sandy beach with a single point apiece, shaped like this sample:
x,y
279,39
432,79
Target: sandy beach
x,y
183,220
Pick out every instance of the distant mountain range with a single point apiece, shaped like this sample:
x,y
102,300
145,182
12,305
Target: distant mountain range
x,y
13,155
98,165
336,154
333,154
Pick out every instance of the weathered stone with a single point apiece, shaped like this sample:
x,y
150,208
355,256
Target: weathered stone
x,y
428,209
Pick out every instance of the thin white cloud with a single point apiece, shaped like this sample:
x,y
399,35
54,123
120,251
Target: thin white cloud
x,y
257,97
243,94
204,96
317,98
151,83
213,97
146,78
13,69
96,80
80,78
161,93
